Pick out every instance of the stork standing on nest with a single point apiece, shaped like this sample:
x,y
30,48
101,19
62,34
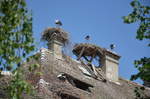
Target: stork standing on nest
x,y
87,38
58,23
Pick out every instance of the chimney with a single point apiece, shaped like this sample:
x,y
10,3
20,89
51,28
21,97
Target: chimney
x,y
111,64
56,38
56,47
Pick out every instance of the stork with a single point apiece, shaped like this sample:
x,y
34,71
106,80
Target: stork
x,y
58,23
112,46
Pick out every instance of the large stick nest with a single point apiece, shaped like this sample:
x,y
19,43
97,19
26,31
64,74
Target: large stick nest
x,y
55,33
89,50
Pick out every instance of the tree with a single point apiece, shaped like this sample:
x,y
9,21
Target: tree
x,y
140,14
18,86
16,42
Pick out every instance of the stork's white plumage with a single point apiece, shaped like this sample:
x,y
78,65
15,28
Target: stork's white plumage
x,y
58,22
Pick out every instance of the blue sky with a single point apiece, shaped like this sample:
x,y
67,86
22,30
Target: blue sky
x,y
101,19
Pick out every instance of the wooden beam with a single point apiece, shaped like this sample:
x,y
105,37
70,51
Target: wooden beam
x,y
81,53
86,58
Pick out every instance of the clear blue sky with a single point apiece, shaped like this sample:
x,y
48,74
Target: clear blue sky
x,y
101,19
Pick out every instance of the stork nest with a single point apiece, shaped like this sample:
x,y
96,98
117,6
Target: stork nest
x,y
55,34
89,50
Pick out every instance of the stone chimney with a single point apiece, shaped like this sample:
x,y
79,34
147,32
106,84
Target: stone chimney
x,y
56,38
111,64
56,47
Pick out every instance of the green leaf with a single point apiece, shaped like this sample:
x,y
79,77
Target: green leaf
x,y
16,41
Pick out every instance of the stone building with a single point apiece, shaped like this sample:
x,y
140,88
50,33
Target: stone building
x,y
63,77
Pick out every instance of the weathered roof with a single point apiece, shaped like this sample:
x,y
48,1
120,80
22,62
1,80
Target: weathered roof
x,y
57,88
122,89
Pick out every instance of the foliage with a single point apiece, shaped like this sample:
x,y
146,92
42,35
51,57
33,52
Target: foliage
x,y
139,91
16,42
140,14
143,66
16,39
33,67
18,86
